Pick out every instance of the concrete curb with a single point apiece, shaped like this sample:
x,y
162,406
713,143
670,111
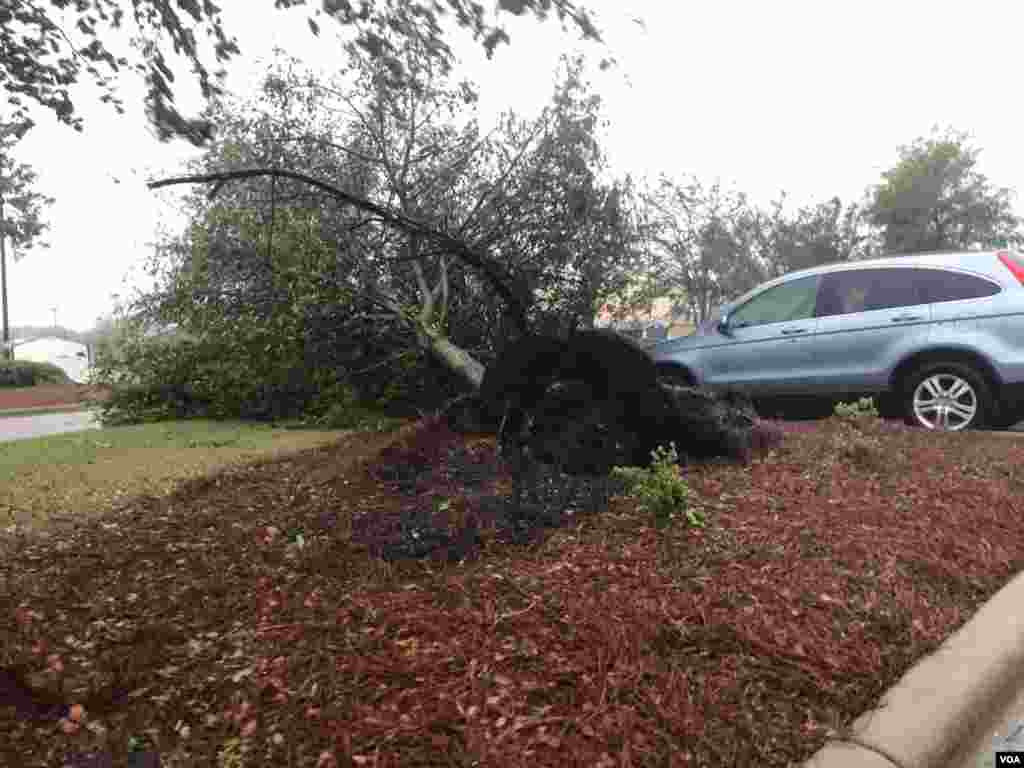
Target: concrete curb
x,y
843,754
943,712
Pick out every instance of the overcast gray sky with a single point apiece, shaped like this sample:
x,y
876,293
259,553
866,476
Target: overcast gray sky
x,y
808,97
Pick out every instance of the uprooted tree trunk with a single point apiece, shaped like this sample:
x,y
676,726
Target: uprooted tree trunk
x,y
594,401
458,360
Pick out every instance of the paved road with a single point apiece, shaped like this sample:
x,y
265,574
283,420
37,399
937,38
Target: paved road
x,y
39,425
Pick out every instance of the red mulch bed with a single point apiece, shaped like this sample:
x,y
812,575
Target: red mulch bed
x,y
49,395
829,565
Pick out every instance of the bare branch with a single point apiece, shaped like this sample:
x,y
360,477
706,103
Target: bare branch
x,y
503,178
443,284
327,143
421,280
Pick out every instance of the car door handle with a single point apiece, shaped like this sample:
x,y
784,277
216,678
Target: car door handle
x,y
793,331
906,318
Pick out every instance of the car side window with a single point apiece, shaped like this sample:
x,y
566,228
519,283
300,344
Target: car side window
x,y
793,300
943,285
866,290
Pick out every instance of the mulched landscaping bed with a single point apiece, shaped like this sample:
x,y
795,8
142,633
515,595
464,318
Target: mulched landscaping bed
x,y
350,606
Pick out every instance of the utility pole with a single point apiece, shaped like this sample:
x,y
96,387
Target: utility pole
x,y
3,284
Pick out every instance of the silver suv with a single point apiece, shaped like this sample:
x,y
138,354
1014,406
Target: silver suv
x,y
937,338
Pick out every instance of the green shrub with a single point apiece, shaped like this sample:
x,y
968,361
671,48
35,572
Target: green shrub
x,y
150,381
863,409
157,379
16,375
660,489
25,373
347,412
148,403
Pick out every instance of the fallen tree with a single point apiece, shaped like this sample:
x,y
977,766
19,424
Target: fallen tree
x,y
584,401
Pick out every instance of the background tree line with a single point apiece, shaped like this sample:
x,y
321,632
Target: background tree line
x,y
706,245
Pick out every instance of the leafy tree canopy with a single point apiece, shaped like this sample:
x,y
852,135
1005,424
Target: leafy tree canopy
x,y
22,221
822,233
936,199
47,46
700,241
21,210
706,245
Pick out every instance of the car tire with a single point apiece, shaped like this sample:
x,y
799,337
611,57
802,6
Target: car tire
x,y
953,394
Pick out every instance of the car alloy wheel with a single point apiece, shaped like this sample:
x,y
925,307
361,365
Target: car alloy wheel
x,y
945,401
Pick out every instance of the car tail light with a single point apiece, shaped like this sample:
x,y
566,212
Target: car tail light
x,y
1013,263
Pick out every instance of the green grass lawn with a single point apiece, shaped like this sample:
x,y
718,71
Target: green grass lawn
x,y
83,472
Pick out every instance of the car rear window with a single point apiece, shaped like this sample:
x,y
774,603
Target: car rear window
x,y
944,285
865,290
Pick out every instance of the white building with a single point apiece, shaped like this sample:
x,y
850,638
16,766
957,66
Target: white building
x,y
70,356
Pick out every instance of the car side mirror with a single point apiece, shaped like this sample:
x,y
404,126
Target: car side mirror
x,y
723,326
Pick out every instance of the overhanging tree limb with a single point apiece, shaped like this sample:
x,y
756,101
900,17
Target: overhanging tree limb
x,y
500,281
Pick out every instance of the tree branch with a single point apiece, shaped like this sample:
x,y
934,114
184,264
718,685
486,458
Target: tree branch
x,y
500,281
502,179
